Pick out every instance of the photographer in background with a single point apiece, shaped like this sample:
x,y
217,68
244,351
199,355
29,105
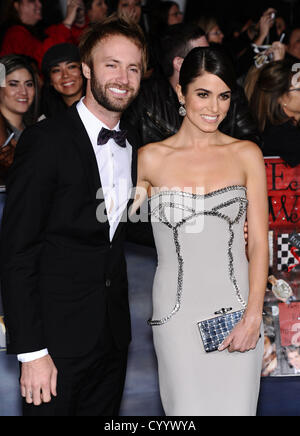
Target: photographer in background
x,y
264,27
24,35
259,33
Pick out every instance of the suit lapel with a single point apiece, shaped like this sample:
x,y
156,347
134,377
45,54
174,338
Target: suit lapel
x,y
84,147
125,215
132,141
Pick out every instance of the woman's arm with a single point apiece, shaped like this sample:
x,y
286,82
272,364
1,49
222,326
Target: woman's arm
x,y
245,335
143,184
139,229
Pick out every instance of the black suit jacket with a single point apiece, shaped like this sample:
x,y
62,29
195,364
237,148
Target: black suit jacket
x,y
61,277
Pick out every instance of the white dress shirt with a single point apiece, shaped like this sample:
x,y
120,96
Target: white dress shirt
x,y
114,164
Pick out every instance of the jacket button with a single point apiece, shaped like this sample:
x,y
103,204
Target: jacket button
x,y
108,283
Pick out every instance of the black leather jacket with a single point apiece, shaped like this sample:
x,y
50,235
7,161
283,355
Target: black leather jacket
x,y
154,114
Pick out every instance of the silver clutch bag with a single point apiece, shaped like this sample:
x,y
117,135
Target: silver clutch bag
x,y
213,331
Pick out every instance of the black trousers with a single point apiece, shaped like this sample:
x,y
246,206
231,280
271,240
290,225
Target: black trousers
x,y
91,385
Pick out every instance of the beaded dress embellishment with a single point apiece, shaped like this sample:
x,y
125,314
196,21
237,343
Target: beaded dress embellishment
x,y
166,199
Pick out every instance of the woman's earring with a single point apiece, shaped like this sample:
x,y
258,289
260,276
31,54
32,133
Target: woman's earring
x,y
182,110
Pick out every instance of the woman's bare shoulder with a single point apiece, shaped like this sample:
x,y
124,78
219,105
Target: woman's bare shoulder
x,y
248,150
153,151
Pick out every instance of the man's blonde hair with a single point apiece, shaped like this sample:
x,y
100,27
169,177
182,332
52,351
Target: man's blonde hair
x,y
111,26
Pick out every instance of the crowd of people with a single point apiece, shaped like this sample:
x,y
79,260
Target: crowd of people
x,y
47,62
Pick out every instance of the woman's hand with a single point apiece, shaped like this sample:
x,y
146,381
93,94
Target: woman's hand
x,y
129,15
264,25
266,21
278,50
80,15
244,336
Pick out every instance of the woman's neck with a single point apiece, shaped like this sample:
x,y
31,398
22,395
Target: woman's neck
x,y
195,137
69,100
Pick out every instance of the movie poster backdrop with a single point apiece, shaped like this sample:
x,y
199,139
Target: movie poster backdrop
x,y
282,301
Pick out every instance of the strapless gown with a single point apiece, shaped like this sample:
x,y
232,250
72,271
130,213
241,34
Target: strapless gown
x,y
202,267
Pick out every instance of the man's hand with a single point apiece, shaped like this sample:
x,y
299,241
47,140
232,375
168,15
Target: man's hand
x,y
38,380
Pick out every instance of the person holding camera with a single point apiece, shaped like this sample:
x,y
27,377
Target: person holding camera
x,y
253,37
25,37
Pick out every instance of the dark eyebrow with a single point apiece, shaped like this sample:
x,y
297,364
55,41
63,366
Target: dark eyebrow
x,y
202,89
209,92
18,81
67,62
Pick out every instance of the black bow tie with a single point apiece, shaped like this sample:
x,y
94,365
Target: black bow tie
x,y
118,136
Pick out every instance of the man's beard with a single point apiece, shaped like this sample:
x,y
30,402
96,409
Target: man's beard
x,y
100,95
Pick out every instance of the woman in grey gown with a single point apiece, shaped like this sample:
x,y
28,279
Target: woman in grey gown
x,y
202,185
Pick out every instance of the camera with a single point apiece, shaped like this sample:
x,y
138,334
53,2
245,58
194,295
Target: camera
x,y
273,15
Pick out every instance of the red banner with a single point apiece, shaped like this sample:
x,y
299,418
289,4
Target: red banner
x,y
284,194
289,320
282,302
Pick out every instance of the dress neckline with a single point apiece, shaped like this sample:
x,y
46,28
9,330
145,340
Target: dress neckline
x,y
208,194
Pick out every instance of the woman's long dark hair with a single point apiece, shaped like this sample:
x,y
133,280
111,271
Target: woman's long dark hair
x,y
238,122
202,60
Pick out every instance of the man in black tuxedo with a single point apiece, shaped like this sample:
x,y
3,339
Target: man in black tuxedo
x,y
63,278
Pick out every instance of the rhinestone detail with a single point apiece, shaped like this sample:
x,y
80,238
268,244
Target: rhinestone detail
x,y
159,213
